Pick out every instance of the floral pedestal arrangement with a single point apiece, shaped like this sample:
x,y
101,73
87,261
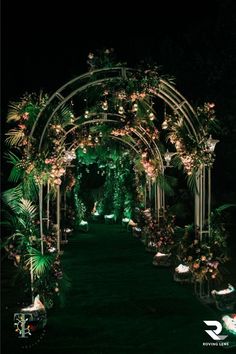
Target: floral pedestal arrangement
x,y
182,274
162,259
225,299
36,314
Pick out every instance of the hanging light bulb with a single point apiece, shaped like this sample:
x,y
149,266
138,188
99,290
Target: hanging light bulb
x,y
105,106
86,114
96,140
164,125
121,110
84,150
90,137
72,118
135,107
100,134
151,116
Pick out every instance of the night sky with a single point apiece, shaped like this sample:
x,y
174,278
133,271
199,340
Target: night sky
x,y
43,47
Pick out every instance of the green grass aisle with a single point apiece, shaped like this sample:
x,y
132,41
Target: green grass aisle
x,y
119,303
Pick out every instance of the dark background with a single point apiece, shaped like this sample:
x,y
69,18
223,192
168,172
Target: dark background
x,y
45,44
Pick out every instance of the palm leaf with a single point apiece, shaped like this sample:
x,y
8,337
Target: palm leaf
x,y
17,170
14,113
14,137
38,262
26,209
12,196
224,207
176,162
165,184
191,182
30,187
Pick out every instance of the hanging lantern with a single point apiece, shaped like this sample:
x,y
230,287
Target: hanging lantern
x,y
86,114
84,150
90,137
100,134
96,140
164,125
105,106
121,110
151,116
168,156
211,143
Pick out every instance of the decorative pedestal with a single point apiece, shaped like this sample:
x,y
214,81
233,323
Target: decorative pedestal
x,y
109,219
182,274
84,226
162,260
36,314
225,299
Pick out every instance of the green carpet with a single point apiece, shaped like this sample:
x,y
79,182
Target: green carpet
x,y
119,303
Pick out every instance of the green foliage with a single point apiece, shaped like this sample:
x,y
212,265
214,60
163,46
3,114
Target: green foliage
x,y
39,263
17,171
80,208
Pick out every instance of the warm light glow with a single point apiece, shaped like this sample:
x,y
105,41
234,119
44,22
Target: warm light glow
x,y
229,290
159,254
37,305
182,269
164,125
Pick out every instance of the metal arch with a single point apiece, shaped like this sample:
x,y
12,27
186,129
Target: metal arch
x,y
85,123
101,120
60,99
156,148
112,137
125,142
165,91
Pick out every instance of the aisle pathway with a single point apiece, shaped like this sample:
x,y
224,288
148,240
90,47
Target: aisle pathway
x,y
119,303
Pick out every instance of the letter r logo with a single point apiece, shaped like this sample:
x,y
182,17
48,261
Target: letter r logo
x,y
213,333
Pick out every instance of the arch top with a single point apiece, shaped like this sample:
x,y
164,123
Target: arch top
x,y
106,76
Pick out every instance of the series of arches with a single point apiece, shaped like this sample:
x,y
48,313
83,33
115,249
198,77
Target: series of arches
x,y
165,91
